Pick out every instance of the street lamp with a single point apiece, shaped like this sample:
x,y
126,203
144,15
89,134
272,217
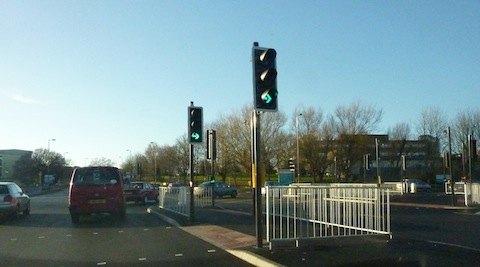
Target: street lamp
x,y
49,156
298,148
131,161
155,159
377,160
450,167
49,143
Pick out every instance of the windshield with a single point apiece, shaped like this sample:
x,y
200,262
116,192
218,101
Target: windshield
x,y
91,176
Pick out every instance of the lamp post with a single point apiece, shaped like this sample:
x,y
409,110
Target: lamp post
x,y
53,139
298,148
154,145
379,181
49,158
131,162
450,167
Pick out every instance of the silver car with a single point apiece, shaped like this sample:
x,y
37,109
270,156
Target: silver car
x,y
13,200
420,185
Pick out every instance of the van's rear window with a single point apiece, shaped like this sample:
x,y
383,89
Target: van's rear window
x,y
96,176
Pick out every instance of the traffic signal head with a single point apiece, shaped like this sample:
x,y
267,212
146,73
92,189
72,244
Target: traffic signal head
x,y
291,165
211,144
195,124
265,92
366,159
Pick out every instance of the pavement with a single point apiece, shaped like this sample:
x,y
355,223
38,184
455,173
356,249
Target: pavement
x,y
234,232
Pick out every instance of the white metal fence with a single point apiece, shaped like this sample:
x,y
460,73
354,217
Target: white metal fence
x,y
470,192
176,199
298,214
475,194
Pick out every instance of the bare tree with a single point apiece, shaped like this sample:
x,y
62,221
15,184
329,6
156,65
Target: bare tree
x,y
399,134
352,124
466,122
357,118
431,128
401,131
101,162
233,142
432,122
310,145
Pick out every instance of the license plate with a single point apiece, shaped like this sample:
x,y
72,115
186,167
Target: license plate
x,y
96,201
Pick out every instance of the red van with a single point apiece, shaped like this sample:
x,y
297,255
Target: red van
x,y
96,190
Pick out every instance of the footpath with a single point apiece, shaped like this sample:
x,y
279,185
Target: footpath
x,y
234,232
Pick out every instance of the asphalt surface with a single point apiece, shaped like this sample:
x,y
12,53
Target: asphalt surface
x,y
234,232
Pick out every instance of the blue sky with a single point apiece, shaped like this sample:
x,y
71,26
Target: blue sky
x,y
104,77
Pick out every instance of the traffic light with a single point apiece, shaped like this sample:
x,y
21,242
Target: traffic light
x,y
195,124
265,92
211,144
366,161
291,165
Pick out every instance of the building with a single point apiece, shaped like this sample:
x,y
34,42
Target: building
x,y
403,158
8,157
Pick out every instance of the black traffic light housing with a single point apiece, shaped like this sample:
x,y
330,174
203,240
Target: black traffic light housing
x,y
291,165
366,161
265,93
195,124
211,144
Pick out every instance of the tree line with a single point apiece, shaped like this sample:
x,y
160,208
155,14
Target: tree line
x,y
322,138
318,135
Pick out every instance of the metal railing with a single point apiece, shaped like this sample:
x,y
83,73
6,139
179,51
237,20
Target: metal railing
x,y
203,197
470,192
475,194
175,199
305,213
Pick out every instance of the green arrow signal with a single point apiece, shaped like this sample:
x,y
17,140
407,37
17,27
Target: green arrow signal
x,y
195,136
266,97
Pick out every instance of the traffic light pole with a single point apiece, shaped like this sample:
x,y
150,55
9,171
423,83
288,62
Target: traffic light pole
x,y
192,199
258,180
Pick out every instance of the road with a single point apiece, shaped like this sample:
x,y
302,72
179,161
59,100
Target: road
x,y
426,232
433,236
48,238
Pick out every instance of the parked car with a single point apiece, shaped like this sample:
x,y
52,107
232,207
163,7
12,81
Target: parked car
x,y
221,189
96,190
173,187
420,185
13,200
140,192
155,185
